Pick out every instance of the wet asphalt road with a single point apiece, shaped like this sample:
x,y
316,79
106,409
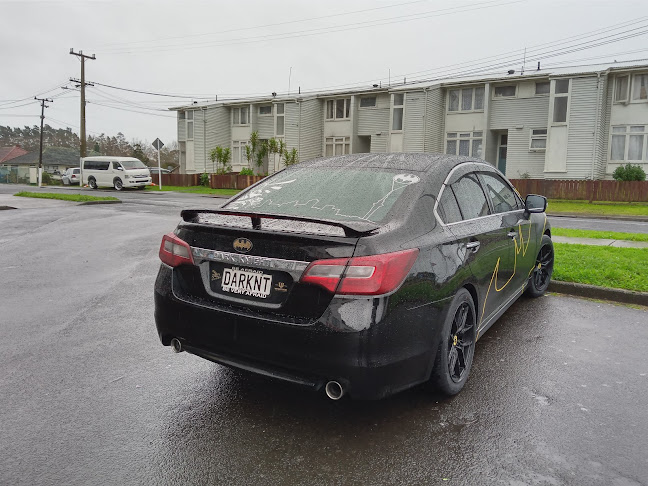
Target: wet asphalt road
x,y
88,395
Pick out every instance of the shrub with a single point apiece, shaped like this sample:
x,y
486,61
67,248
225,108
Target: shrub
x,y
47,178
629,172
204,179
246,170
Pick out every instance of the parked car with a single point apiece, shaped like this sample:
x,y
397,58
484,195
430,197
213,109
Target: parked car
x,y
117,172
359,274
71,176
155,170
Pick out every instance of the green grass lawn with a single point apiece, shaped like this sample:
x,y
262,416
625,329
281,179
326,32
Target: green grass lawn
x,y
65,197
609,235
196,190
605,208
604,266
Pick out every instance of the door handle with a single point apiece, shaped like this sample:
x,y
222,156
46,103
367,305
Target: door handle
x,y
474,246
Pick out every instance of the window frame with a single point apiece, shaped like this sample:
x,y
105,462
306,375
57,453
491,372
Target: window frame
x,y
514,95
625,100
548,93
516,197
270,105
238,109
537,136
344,141
555,96
278,115
374,98
240,145
394,108
627,133
631,85
460,90
471,138
334,117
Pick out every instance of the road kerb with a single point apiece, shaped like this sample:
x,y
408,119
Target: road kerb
x,y
602,293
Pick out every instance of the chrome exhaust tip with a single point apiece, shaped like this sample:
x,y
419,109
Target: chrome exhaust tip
x,y
334,390
177,347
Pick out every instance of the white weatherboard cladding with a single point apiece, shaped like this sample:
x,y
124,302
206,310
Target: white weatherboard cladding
x,y
582,125
375,119
218,130
310,120
338,128
264,125
518,116
464,122
413,124
182,130
435,121
379,144
600,162
200,155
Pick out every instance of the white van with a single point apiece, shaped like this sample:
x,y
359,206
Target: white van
x,y
117,172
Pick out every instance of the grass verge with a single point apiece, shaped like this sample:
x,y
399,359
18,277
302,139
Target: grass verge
x,y
196,190
65,197
607,235
557,206
604,266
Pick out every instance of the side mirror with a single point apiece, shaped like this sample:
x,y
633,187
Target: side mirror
x,y
535,204
120,168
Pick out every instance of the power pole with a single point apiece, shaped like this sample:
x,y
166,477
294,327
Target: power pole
x,y
82,82
40,153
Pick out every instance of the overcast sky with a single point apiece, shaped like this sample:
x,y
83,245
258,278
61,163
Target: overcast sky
x,y
226,49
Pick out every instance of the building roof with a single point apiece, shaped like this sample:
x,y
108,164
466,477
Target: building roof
x,y
51,156
529,74
9,153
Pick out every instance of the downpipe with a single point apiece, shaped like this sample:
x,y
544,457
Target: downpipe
x,y
334,390
176,345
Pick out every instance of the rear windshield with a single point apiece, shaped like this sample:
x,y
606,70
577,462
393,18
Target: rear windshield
x,y
331,193
132,164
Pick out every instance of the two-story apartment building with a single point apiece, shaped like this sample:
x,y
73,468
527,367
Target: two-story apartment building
x,y
561,124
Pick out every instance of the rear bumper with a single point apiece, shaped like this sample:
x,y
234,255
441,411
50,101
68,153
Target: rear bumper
x,y
393,350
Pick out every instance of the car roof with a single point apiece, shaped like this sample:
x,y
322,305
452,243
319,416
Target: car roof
x,y
416,162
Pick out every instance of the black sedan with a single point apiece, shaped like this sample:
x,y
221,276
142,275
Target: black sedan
x,y
359,274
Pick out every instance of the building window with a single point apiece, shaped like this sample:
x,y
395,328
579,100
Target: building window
x,y
181,115
542,88
466,99
621,88
338,146
368,102
538,142
190,125
238,153
338,109
397,112
468,144
265,110
280,120
629,143
640,87
561,101
505,91
241,115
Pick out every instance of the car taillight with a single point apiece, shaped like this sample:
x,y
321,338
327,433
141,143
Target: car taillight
x,y
174,251
366,275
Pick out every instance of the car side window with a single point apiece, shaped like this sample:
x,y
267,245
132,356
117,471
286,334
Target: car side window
x,y
448,208
116,165
471,197
501,195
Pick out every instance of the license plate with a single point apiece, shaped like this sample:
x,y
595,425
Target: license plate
x,y
248,283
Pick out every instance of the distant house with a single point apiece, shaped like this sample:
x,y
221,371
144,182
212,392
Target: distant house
x,y
54,159
564,123
8,153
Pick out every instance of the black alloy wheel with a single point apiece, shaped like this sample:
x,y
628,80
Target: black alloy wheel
x,y
541,274
457,346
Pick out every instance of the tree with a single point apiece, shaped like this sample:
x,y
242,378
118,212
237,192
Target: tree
x,y
138,153
222,157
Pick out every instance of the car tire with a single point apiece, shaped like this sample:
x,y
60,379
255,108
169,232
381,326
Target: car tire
x,y
119,185
92,182
456,349
541,274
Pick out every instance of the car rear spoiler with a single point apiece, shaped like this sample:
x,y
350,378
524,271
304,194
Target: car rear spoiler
x,y
351,228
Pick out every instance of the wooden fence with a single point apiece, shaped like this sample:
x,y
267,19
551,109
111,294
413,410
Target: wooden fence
x,y
227,181
621,191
